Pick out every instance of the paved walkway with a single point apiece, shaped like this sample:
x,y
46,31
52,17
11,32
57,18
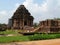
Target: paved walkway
x,y
40,42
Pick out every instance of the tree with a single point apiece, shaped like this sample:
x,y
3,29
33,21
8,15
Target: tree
x,y
57,18
3,27
35,25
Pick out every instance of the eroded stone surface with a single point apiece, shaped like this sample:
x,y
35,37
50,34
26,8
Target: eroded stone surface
x,y
21,18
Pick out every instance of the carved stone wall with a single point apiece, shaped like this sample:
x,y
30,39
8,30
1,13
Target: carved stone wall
x,y
21,18
48,26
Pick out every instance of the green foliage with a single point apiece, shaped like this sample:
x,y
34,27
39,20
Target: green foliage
x,y
3,27
18,38
35,25
9,32
44,36
57,18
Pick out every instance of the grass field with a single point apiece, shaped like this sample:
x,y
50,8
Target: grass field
x,y
5,39
18,38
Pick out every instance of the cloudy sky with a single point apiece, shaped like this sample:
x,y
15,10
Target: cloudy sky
x,y
40,9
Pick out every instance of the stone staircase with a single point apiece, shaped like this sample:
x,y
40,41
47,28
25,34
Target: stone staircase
x,y
36,29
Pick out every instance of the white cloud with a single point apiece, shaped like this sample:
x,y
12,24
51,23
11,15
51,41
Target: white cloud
x,y
36,9
3,12
54,7
48,9
3,15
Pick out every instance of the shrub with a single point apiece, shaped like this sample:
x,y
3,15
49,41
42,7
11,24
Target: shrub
x,y
44,36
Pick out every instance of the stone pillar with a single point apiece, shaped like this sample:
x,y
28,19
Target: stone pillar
x,y
27,23
14,23
22,23
31,22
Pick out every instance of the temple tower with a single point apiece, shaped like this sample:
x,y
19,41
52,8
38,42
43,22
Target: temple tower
x,y
21,18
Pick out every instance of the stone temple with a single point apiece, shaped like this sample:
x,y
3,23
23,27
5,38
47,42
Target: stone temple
x,y
49,26
21,18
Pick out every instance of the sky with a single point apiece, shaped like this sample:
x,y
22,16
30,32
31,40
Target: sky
x,y
39,9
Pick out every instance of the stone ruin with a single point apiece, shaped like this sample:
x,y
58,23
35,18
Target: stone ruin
x,y
21,19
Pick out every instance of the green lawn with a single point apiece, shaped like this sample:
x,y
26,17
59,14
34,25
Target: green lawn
x,y
5,39
18,38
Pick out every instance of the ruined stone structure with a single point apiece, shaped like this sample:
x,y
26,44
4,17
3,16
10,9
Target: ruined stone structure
x,y
21,18
49,26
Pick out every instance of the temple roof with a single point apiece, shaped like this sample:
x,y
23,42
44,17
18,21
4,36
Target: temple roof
x,y
22,12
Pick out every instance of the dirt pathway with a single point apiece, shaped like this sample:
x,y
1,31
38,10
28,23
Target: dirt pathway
x,y
41,42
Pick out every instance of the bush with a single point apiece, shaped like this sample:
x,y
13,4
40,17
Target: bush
x,y
57,35
44,36
9,32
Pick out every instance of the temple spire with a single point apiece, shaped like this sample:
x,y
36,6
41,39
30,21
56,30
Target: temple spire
x,y
21,18
21,6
